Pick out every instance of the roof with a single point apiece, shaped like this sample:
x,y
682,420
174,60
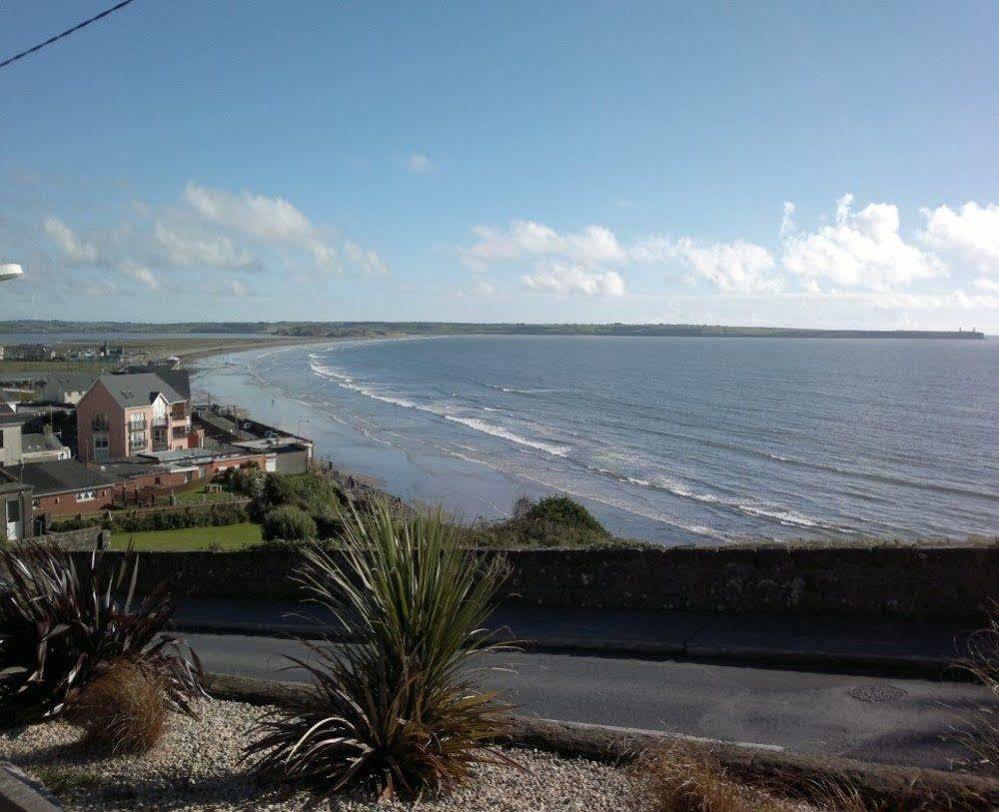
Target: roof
x,y
71,381
178,379
272,444
130,468
31,443
8,417
139,389
59,476
196,455
12,487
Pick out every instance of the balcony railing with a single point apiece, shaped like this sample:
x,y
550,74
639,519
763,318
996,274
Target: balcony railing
x,y
180,432
180,411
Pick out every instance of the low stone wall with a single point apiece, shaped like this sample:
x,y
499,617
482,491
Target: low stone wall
x,y
951,582
84,539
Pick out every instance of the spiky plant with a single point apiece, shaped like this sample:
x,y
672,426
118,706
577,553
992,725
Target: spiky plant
x,y
399,712
979,731
59,627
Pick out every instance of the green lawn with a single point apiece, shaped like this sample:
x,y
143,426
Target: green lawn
x,y
199,496
229,537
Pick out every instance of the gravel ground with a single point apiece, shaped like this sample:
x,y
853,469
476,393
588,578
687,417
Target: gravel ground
x,y
196,767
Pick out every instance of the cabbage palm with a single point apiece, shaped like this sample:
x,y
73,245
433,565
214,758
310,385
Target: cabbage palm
x,y
399,711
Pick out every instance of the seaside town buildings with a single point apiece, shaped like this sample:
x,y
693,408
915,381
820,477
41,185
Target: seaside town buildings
x,y
138,437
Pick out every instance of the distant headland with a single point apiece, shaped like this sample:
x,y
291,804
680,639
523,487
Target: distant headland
x,y
377,329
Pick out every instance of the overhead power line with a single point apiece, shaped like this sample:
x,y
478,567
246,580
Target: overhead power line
x,y
65,33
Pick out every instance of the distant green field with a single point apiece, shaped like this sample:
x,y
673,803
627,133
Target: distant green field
x,y
229,537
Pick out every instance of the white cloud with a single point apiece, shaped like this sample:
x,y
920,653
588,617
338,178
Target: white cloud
x,y
76,250
971,233
212,229
419,164
264,218
730,266
860,250
367,262
237,288
269,220
991,285
594,245
142,275
561,278
186,250
787,221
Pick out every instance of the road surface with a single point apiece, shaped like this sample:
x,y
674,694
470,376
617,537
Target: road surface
x,y
904,721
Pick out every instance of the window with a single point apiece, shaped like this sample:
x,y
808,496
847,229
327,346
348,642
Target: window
x,y
85,496
101,450
13,511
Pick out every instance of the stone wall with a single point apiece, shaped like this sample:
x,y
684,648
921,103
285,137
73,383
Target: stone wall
x,y
947,582
83,540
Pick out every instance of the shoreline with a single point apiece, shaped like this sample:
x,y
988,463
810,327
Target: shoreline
x,y
378,483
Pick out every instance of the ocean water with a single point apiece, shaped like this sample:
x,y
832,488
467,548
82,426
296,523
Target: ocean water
x,y
674,440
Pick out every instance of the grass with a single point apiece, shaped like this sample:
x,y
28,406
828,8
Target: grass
x,y
199,495
228,537
61,780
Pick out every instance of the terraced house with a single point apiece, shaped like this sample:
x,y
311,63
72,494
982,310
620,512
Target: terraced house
x,y
124,415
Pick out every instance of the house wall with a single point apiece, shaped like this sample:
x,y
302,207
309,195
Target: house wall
x,y
10,444
146,414
48,455
24,497
99,400
69,504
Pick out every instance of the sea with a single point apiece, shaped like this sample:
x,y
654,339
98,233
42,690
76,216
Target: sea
x,y
678,441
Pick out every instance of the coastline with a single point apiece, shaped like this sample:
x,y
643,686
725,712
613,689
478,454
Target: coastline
x,y
369,464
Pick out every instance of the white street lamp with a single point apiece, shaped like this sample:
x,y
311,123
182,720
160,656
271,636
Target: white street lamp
x,y
10,271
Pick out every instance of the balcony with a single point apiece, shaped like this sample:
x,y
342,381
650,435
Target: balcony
x,y
180,432
180,411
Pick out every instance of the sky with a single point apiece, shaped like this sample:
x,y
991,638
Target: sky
x,y
765,163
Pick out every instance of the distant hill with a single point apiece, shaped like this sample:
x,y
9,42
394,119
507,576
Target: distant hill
x,y
346,329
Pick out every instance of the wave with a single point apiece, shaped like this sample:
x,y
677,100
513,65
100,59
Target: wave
x,y
510,390
346,382
784,516
499,431
601,498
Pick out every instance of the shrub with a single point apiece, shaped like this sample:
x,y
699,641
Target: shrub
x,y
288,523
400,712
674,779
315,494
122,708
215,515
561,510
60,628
555,521
246,481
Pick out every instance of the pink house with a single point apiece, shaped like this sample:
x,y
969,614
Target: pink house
x,y
124,415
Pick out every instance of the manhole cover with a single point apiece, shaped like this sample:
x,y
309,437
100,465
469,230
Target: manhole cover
x,y
877,693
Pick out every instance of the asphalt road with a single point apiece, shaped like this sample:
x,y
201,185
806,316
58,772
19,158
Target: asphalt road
x,y
904,721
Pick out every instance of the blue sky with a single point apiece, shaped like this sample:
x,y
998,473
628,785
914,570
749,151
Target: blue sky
x,y
746,163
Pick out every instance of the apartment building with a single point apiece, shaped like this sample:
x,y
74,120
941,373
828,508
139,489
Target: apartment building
x,y
124,415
